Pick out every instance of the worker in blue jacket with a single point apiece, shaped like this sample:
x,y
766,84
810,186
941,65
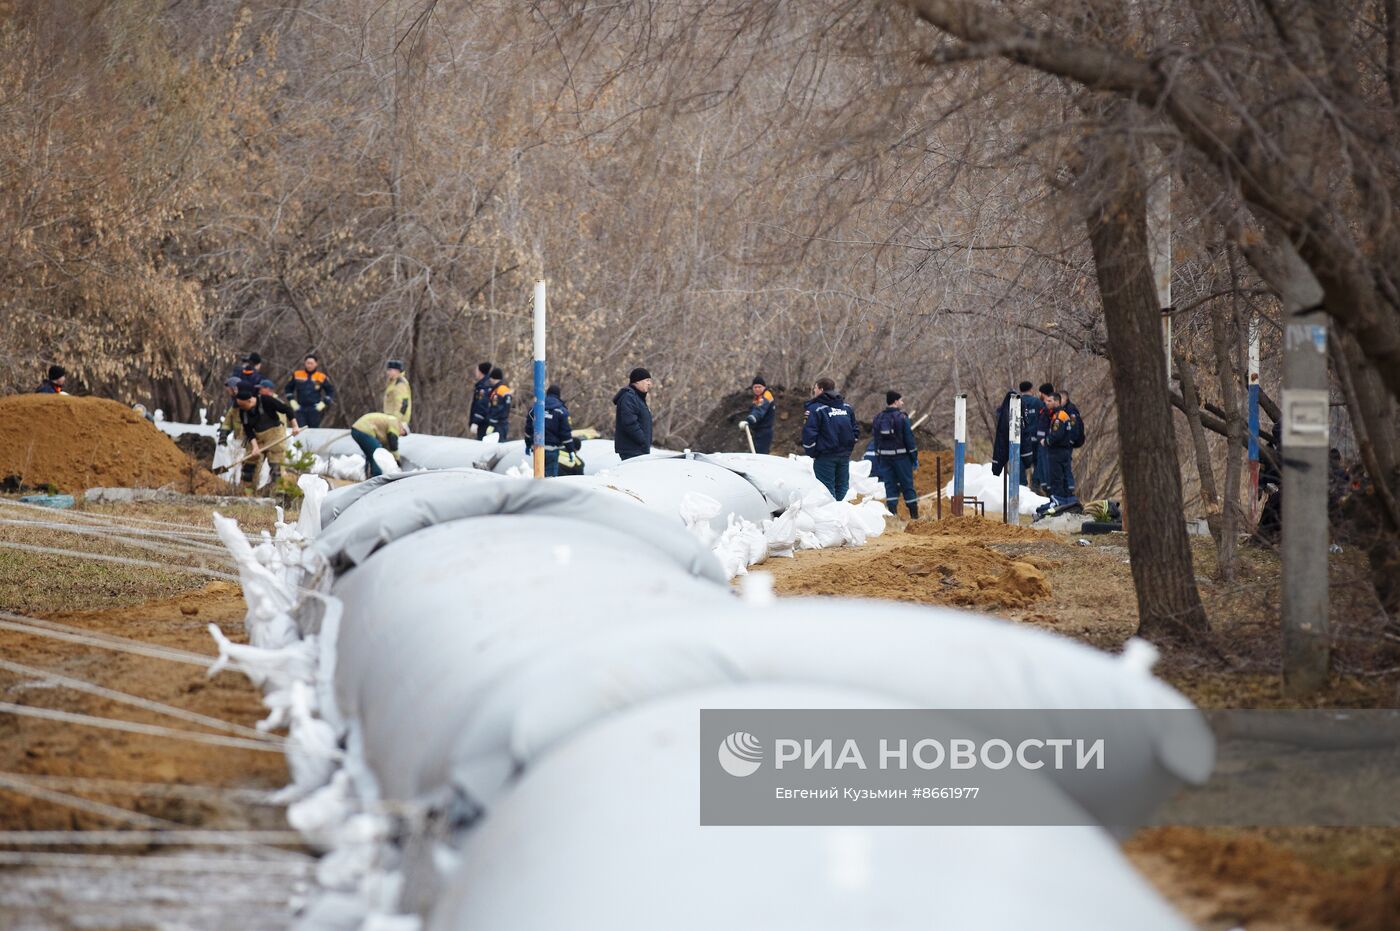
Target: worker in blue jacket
x,y
480,390
309,392
249,371
632,429
829,435
762,413
898,454
498,406
558,432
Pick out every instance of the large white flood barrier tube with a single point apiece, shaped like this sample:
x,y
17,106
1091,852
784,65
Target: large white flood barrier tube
x,y
604,833
450,691
657,618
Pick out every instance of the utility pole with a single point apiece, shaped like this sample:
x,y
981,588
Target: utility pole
x,y
959,452
1253,416
1305,530
538,438
1013,461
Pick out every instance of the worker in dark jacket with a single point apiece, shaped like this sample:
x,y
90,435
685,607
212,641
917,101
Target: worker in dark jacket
x,y
1041,484
558,432
58,376
1031,407
1059,450
1001,439
480,390
762,413
264,429
498,400
249,371
829,435
309,392
632,432
898,454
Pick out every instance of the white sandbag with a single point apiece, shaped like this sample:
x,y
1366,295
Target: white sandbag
x,y
661,484
629,787
423,603
609,652
505,456
779,479
390,497
426,451
979,482
324,441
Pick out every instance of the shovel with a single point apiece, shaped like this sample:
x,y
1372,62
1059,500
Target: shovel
x,y
744,425
258,452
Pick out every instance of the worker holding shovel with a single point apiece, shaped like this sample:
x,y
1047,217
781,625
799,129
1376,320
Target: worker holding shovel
x,y
759,420
261,417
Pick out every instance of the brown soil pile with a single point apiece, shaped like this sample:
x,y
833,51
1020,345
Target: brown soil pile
x,y
976,528
929,571
80,443
35,747
1245,881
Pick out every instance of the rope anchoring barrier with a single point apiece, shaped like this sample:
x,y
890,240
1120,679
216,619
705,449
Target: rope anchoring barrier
x,y
136,701
272,745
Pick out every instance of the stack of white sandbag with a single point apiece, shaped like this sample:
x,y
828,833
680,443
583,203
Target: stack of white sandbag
x,y
979,482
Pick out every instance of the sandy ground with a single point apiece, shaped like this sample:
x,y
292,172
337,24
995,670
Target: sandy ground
x,y
1262,880
54,771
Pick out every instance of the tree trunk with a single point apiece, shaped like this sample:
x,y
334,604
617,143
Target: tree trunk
x,y
1225,336
1169,606
1210,498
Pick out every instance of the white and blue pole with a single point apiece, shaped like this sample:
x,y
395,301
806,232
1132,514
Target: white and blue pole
x,y
959,450
538,438
1013,461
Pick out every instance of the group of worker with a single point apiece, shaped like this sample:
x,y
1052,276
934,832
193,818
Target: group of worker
x,y
266,421
1051,430
829,433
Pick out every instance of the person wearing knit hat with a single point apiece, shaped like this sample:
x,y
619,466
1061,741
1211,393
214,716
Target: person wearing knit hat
x,y
896,454
58,376
263,418
249,371
498,401
558,432
477,425
632,431
762,413
398,394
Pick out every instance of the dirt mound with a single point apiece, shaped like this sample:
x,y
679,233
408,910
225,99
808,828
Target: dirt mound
x,y
976,528
79,443
929,571
1020,583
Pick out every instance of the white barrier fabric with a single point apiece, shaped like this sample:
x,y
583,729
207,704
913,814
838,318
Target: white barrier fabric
x,y
480,628
611,818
